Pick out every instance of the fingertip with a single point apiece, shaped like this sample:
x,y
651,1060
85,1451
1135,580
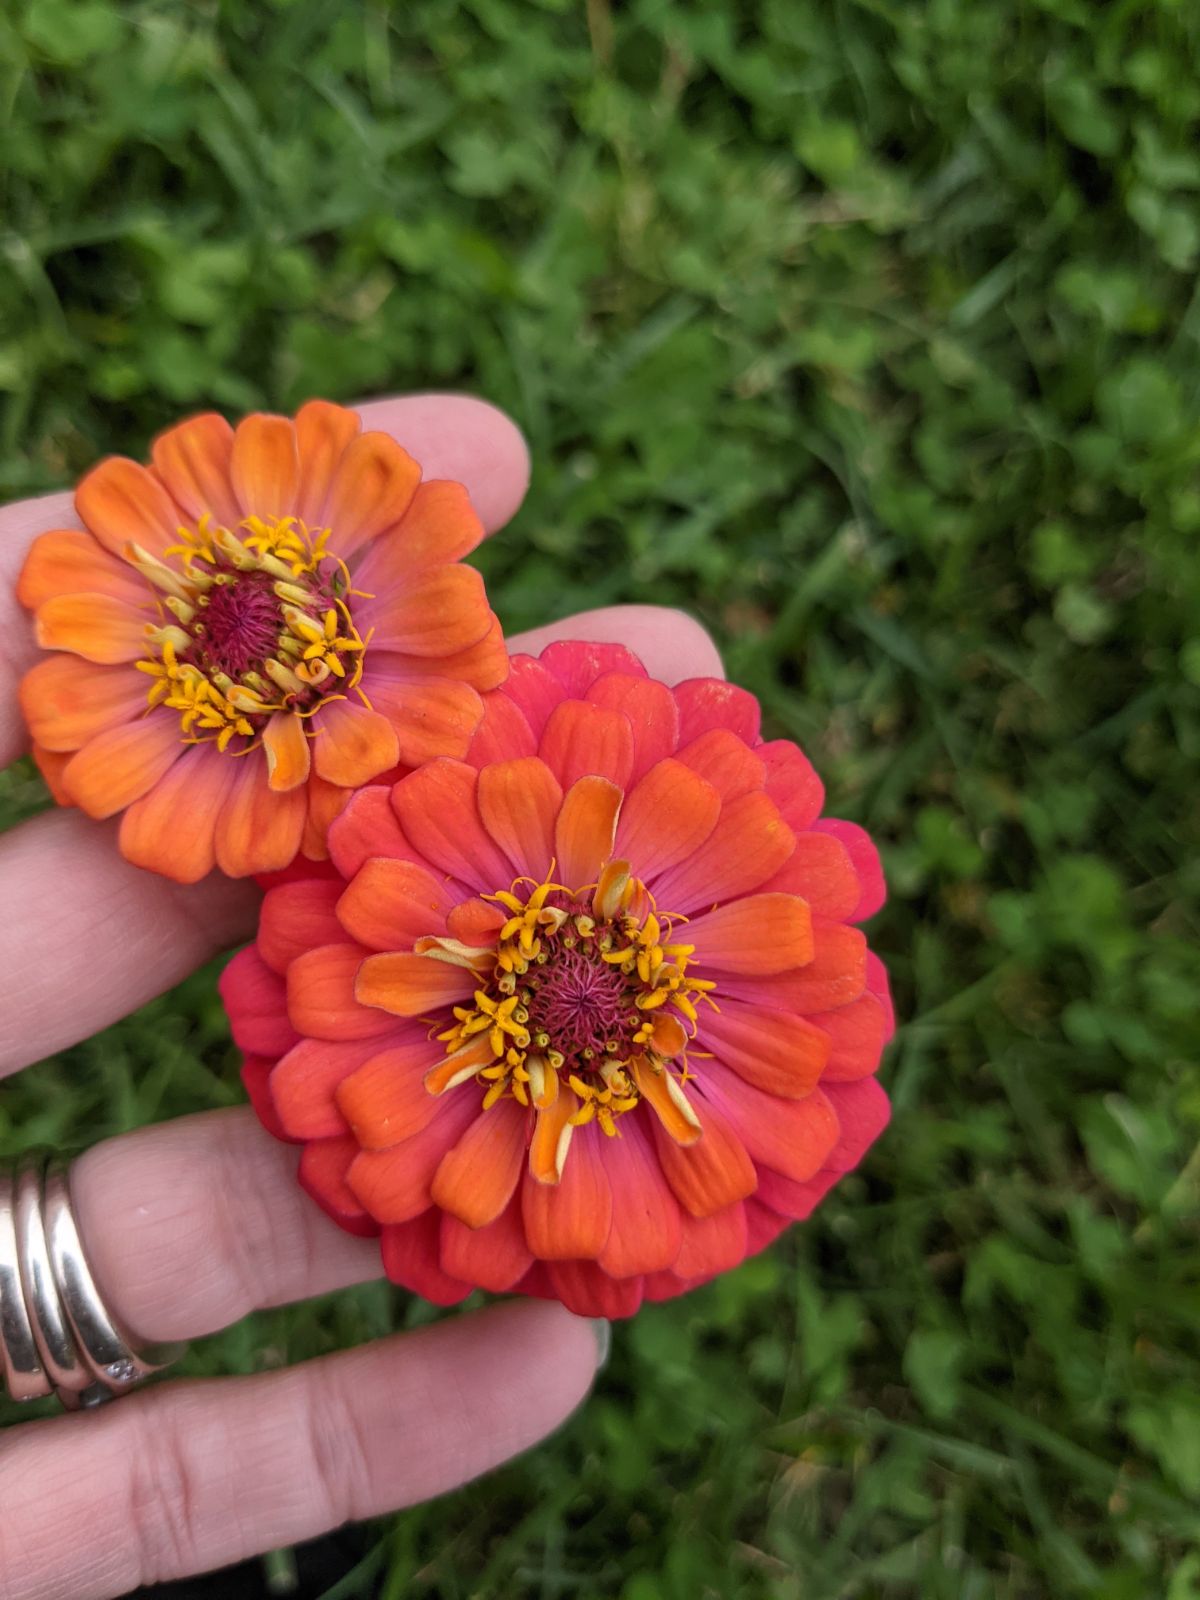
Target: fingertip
x,y
464,438
671,644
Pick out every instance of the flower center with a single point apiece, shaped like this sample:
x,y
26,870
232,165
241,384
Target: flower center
x,y
585,1007
249,625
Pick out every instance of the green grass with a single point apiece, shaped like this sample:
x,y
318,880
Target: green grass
x,y
868,332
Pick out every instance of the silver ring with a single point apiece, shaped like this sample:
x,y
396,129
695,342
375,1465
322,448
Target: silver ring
x,y
56,1334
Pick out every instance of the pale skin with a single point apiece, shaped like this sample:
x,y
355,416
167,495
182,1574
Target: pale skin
x,y
193,1224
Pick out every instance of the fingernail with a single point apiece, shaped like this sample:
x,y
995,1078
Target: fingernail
x,y
603,1335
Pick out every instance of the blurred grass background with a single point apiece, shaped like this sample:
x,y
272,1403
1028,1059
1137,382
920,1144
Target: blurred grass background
x,y
867,330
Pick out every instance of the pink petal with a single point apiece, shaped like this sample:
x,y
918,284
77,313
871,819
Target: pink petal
x,y
794,1137
296,917
861,849
534,690
706,703
652,712
587,1290
503,733
367,827
792,783
748,845
577,665
256,1000
411,1258
709,1245
646,1232
725,761
495,1258
439,814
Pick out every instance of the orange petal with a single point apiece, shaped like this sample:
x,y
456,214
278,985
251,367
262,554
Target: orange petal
x,y
431,716
711,1244
326,802
749,844
571,1220
439,525
857,1033
352,745
366,827
409,985
296,917
777,1051
170,830
725,761
503,735
651,710
459,1066
836,975
323,432
760,934
69,561
476,1179
264,467
519,801
192,459
583,834
119,765
122,503
394,1184
552,1135
305,1080
435,613
712,1173
258,830
669,1036
52,764
580,739
646,1233
476,922
390,904
95,626
668,1099
321,995
792,1137
385,1100
439,814
67,701
286,749
820,871
666,818
484,664
373,485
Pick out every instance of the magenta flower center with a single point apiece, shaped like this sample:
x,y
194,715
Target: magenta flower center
x,y
581,1003
240,626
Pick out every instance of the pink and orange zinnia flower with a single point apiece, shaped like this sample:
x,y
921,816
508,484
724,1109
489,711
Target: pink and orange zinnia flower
x,y
248,629
586,1014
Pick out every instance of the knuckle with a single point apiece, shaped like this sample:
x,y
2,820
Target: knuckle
x,y
338,1451
163,1497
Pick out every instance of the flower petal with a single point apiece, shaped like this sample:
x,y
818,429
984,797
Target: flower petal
x,y
439,814
434,613
580,740
792,783
794,1137
394,1184
304,1084
256,1071
408,985
665,819
587,1290
861,849
390,904
777,1051
584,832
321,995
264,466
67,701
193,461
495,1258
296,917
821,872
97,627
385,1101
285,746
759,934
711,1174
652,712
706,703
258,830
52,764
323,431
836,974
477,1179
367,827
518,803
646,1233
748,845
578,663
484,664
534,690
863,1112
323,1167
373,486
256,1000
857,1034
790,1199
440,525
119,765
503,733
69,561
726,762
122,503
570,1220
431,717
352,745
411,1258
171,829
709,1245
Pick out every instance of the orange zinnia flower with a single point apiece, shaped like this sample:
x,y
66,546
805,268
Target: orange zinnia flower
x,y
585,1015
249,628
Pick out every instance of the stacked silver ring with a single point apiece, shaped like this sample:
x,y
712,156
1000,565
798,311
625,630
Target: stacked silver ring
x,y
56,1334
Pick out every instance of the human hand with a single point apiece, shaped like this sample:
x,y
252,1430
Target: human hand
x,y
191,1225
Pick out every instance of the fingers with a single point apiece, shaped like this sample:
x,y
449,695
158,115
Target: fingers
x,y
90,938
672,646
190,1226
190,1476
452,436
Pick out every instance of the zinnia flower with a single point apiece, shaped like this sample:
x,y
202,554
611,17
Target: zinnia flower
x,y
585,1015
248,629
